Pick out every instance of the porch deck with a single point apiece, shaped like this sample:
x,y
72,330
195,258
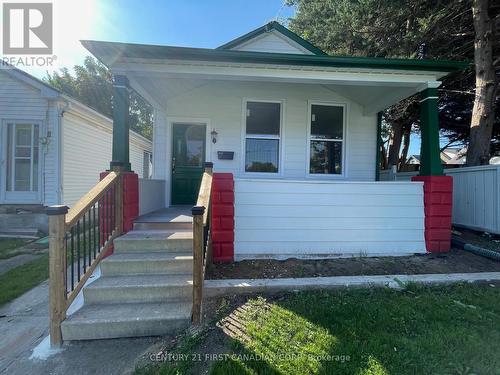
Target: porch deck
x,y
174,217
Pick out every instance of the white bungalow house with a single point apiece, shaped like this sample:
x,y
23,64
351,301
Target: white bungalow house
x,y
292,136
52,149
295,128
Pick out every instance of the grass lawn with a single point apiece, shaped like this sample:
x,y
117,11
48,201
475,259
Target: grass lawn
x,y
418,330
19,280
9,244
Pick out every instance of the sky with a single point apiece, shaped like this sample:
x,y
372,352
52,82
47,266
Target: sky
x,y
187,23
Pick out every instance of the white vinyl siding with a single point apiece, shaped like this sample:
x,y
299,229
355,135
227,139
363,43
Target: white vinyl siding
x,y
282,219
87,152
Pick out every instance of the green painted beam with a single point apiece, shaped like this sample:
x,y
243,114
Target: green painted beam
x,y
430,160
121,123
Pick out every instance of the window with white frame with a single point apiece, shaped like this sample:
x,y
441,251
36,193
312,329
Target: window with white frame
x,y
326,139
22,157
262,136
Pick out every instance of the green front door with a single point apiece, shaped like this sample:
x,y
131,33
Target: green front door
x,y
188,156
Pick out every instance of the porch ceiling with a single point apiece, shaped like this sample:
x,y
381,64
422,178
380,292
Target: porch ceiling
x,y
373,97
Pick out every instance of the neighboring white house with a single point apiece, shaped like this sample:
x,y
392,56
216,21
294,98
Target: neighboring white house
x,y
294,127
52,149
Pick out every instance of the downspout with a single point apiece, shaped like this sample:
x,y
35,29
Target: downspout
x,y
60,144
491,254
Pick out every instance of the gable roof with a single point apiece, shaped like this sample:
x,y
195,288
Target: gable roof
x,y
273,25
46,90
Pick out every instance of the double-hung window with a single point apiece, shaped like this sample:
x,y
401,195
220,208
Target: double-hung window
x,y
326,142
262,136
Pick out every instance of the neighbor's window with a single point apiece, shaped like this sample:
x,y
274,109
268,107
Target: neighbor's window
x,y
327,136
262,139
22,156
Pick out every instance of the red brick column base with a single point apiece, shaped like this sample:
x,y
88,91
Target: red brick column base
x,y
130,203
222,219
438,192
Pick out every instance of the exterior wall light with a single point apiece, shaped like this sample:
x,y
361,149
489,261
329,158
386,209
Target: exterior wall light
x,y
214,136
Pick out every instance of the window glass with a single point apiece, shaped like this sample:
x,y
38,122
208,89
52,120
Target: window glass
x,y
327,122
263,118
262,155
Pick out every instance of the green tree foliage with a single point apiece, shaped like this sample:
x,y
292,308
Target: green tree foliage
x,y
92,85
437,29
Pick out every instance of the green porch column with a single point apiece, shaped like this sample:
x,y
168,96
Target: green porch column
x,y
430,161
379,144
121,123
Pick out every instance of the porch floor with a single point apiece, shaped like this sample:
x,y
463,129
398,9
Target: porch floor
x,y
174,217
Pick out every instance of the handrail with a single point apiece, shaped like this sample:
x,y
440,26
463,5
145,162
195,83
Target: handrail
x,y
202,242
204,194
79,239
89,199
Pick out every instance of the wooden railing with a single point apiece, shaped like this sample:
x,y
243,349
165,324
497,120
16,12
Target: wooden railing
x,y
202,242
78,240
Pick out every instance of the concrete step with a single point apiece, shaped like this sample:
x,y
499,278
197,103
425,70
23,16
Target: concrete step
x,y
126,320
139,288
147,263
155,240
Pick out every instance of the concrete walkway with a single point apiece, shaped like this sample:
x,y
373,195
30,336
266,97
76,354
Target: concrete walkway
x,y
212,288
24,324
16,261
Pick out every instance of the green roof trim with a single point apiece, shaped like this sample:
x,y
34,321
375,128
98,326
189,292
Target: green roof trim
x,y
110,53
273,25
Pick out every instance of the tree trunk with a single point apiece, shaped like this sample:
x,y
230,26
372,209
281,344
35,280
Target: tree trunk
x,y
406,147
395,143
483,112
383,157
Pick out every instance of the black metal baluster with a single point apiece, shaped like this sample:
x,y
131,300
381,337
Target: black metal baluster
x,y
66,255
85,238
105,217
72,232
108,216
78,247
93,230
99,229
113,210
89,247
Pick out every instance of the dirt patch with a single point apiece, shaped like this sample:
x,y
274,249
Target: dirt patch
x,y
456,261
